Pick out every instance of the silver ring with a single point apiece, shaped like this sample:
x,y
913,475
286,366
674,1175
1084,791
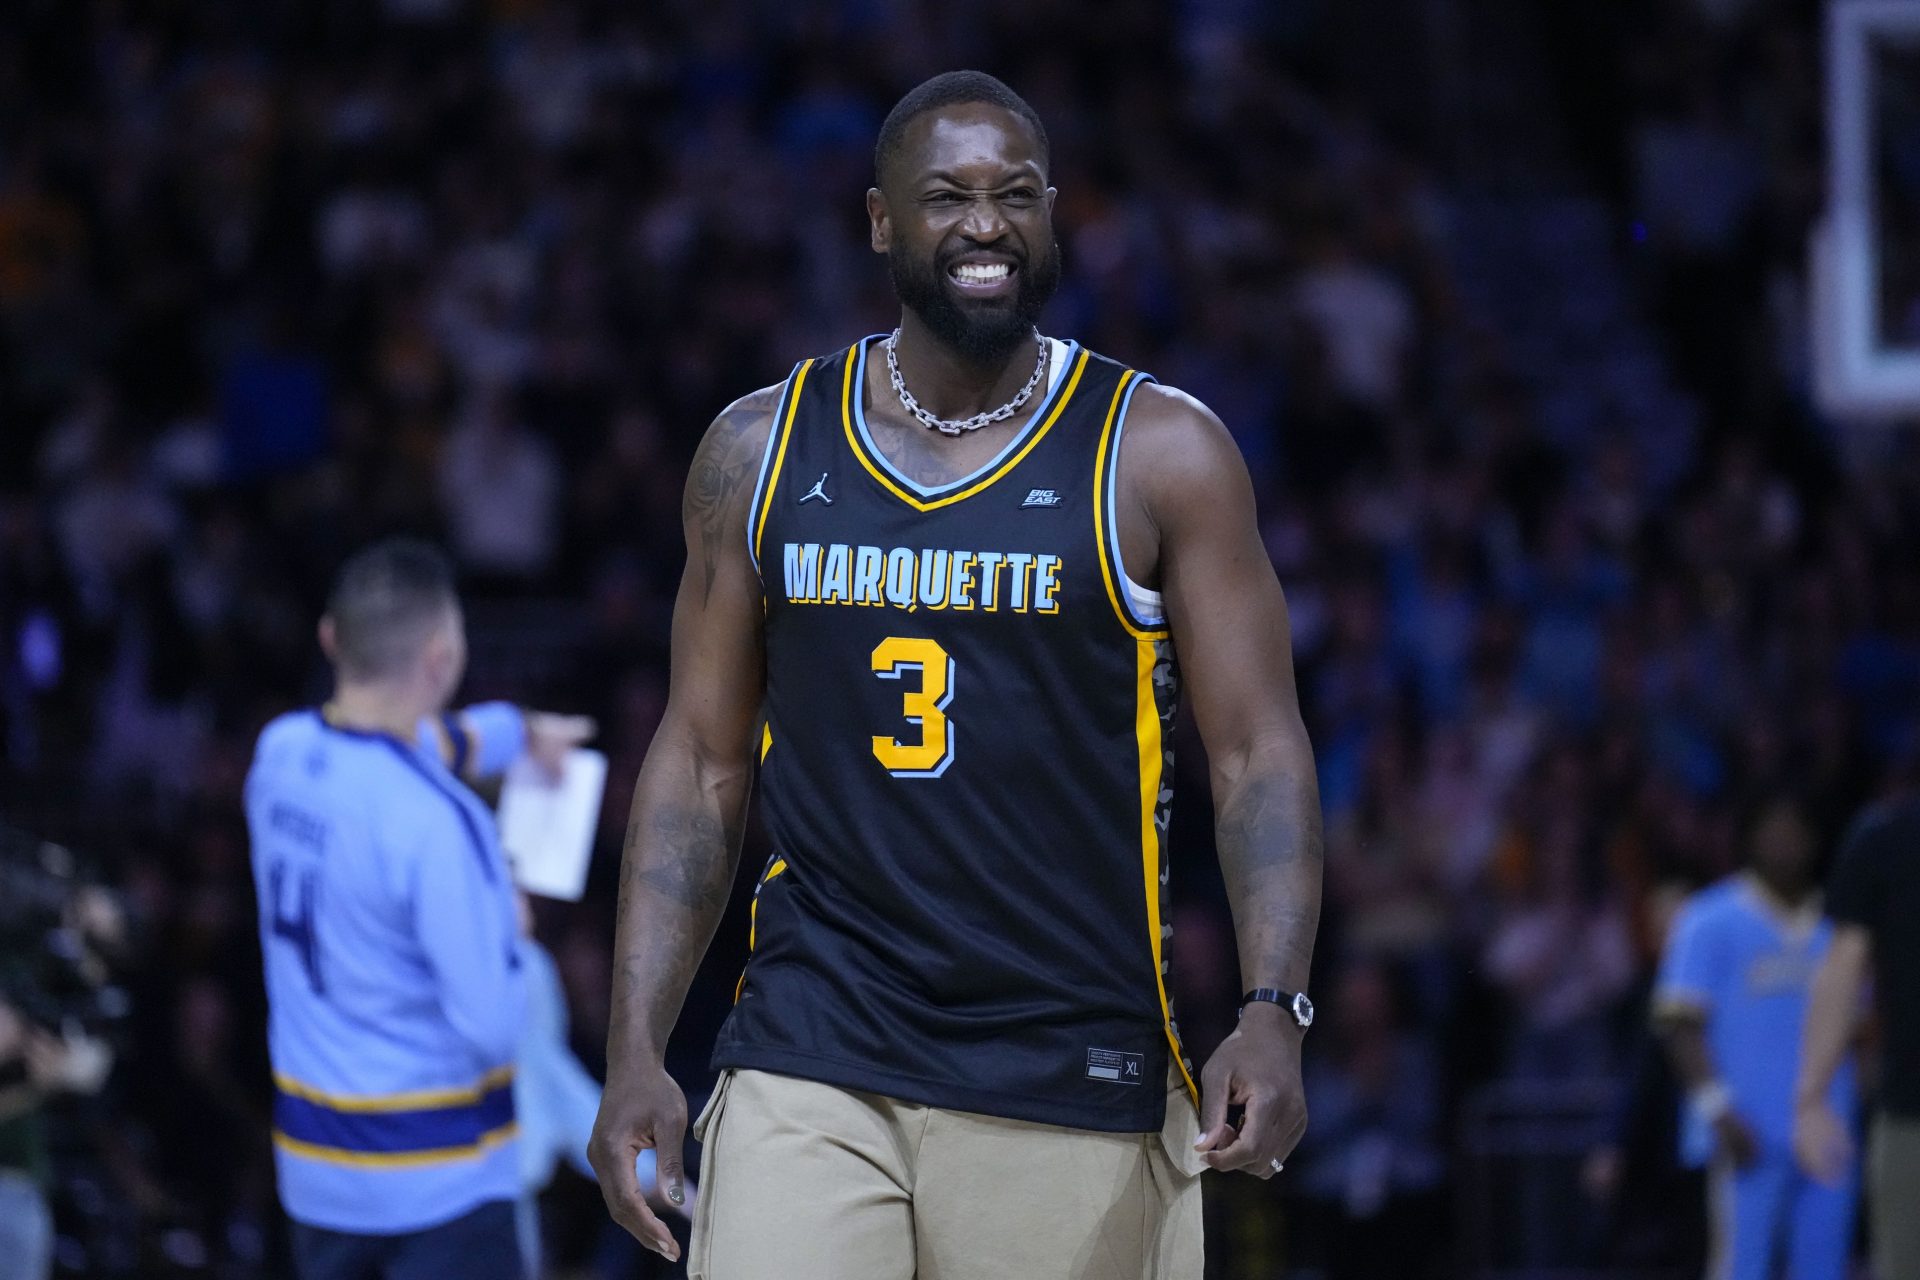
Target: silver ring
x,y
1277,1166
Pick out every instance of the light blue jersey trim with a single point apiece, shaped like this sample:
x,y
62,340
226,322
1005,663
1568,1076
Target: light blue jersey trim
x,y
1038,416
1128,598
766,465
409,755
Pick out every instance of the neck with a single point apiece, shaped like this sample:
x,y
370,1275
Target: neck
x,y
1788,893
378,707
949,384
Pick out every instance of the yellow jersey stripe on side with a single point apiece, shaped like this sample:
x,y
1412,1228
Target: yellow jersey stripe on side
x,y
753,922
1107,574
1152,762
848,391
398,1159
779,456
766,740
417,1100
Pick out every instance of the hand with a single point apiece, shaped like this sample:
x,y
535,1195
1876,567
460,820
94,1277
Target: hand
x,y
551,736
641,1108
1258,1068
1821,1143
1734,1140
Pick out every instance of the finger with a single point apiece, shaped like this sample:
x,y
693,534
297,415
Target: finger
x,y
620,1188
1219,1136
670,1147
1241,1153
1214,1129
1259,1139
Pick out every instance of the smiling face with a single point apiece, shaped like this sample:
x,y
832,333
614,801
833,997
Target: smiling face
x,y
965,216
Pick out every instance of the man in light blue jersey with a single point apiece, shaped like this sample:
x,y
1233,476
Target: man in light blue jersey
x,y
394,975
1732,999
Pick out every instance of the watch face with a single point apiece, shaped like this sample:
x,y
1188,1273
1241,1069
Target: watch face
x,y
1303,1010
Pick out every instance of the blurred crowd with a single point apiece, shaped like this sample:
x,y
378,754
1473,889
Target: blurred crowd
x,y
277,278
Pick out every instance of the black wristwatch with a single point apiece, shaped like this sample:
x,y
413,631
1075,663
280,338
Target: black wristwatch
x,y
1296,1004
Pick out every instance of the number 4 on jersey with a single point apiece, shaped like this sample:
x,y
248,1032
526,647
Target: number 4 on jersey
x,y
297,926
925,706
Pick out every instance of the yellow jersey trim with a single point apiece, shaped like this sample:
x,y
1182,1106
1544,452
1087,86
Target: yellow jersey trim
x,y
848,391
780,455
753,922
396,1160
416,1100
1152,762
1107,575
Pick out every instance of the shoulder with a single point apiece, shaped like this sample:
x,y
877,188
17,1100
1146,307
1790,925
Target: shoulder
x,y
1722,905
283,734
1704,914
1166,420
741,429
1177,455
289,726
720,480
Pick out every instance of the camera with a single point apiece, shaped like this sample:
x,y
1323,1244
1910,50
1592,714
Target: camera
x,y
59,931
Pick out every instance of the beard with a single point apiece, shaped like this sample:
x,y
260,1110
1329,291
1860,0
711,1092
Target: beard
x,y
981,332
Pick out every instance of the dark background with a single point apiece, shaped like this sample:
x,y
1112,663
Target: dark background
x,y
1505,303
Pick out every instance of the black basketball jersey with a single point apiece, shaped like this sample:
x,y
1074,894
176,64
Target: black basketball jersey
x,y
966,770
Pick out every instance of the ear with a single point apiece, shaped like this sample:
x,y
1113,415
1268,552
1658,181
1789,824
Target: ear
x,y
328,644
880,224
439,651
1053,193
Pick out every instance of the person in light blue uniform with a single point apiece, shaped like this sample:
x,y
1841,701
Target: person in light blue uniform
x,y
1732,999
394,971
555,1099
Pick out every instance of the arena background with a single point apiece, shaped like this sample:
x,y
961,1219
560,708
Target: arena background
x,y
1506,303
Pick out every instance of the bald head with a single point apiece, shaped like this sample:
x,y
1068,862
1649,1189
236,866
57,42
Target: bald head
x,y
950,89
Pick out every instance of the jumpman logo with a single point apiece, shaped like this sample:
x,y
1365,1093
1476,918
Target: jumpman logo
x,y
819,491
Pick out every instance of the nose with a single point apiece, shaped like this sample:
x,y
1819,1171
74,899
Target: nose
x,y
985,222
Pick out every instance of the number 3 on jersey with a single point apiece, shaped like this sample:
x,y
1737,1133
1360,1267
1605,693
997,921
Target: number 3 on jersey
x,y
925,706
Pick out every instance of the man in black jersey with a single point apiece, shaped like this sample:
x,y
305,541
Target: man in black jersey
x,y
943,587
1873,899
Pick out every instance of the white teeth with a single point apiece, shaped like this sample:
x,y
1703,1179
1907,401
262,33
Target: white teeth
x,y
980,273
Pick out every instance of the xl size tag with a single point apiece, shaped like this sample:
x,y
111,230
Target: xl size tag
x,y
1114,1066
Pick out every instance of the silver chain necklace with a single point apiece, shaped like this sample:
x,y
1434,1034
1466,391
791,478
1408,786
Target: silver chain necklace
x,y
954,426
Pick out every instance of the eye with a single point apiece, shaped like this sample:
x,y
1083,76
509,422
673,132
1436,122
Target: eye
x,y
942,197
1020,196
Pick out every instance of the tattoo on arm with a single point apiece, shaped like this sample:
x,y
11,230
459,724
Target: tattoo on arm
x,y
674,882
722,468
692,861
1269,838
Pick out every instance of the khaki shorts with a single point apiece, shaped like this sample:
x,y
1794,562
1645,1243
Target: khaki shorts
x,y
806,1181
1893,1182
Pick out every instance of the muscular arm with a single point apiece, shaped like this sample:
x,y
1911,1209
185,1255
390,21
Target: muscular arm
x,y
689,807
1229,623
1833,1011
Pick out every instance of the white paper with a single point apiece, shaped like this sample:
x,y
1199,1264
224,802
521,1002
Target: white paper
x,y
547,828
